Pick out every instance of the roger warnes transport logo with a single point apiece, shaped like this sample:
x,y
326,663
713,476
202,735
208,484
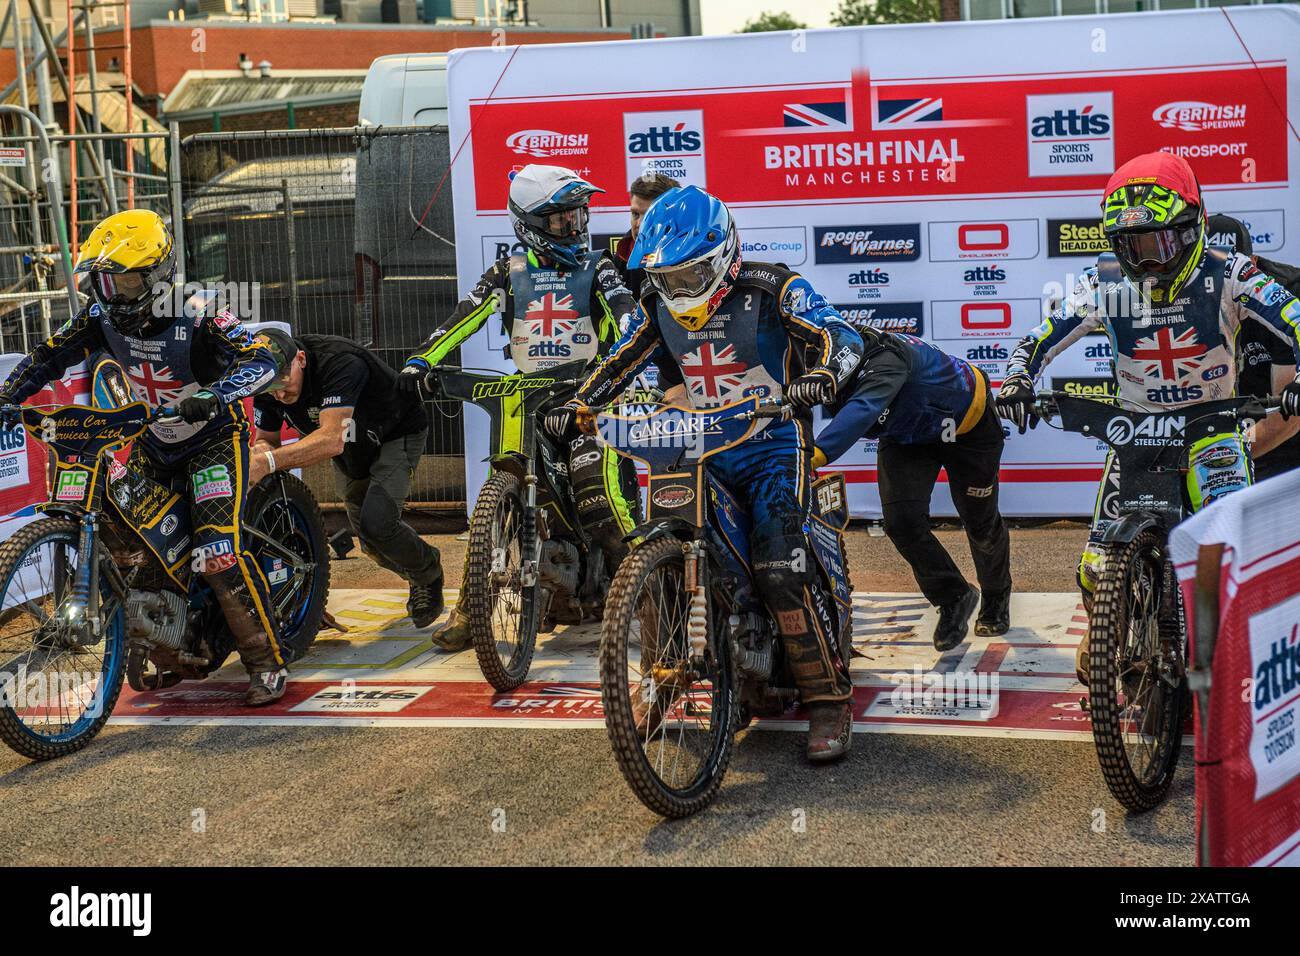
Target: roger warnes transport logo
x,y
847,244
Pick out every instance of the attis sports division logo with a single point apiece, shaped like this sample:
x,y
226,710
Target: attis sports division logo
x,y
544,143
1087,121
1192,116
659,140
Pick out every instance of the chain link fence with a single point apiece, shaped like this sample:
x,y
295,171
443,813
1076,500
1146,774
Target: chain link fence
x,y
343,232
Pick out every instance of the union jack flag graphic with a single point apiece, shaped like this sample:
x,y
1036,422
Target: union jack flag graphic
x,y
155,384
1169,356
823,117
917,111
551,315
711,372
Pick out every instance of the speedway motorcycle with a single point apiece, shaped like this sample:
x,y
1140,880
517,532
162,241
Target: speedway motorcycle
x,y
1138,695
523,575
689,654
105,586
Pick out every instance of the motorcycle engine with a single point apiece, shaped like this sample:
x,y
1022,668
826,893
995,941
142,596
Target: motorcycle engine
x,y
157,617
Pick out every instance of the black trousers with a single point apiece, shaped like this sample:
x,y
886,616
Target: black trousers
x,y
374,505
907,475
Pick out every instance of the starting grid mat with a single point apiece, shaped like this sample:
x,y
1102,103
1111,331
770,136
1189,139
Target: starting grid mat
x,y
385,672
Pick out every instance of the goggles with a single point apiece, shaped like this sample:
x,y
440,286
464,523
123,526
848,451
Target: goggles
x,y
121,288
690,280
1150,249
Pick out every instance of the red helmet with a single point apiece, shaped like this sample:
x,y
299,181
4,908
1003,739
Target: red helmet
x,y
1153,217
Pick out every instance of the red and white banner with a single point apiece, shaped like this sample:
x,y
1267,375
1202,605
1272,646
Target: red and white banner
x,y
1247,761
922,179
24,462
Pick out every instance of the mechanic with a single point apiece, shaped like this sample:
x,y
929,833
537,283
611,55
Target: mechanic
x,y
929,410
345,403
1265,361
643,191
200,360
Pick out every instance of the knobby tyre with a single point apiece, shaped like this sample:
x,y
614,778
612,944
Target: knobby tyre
x,y
672,733
1137,716
37,562
502,613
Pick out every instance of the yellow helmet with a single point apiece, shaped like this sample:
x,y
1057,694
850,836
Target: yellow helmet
x,y
128,257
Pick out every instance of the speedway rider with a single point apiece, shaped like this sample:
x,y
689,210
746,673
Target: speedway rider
x,y
201,361
1172,307
559,303
731,331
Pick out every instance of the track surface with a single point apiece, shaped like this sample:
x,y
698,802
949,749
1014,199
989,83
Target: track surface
x,y
241,794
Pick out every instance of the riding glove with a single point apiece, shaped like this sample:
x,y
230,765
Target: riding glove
x,y
1014,401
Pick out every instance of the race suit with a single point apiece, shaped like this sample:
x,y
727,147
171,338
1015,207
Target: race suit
x,y
552,317
1168,356
768,331
201,348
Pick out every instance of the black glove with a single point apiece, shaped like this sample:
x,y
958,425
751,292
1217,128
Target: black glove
x,y
9,413
561,422
815,388
199,407
1013,401
1290,404
410,380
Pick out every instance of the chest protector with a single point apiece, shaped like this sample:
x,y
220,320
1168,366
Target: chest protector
x,y
740,352
159,369
1176,353
552,322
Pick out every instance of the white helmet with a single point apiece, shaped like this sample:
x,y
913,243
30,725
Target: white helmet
x,y
548,208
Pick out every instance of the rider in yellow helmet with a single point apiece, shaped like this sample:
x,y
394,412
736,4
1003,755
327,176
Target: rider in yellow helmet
x,y
197,358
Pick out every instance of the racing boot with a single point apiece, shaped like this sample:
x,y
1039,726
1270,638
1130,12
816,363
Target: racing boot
x,y
1081,663
454,635
830,730
425,603
954,619
266,687
995,614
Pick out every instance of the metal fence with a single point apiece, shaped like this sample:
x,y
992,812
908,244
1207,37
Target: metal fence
x,y
344,232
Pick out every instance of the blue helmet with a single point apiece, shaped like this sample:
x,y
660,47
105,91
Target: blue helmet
x,y
548,207
689,249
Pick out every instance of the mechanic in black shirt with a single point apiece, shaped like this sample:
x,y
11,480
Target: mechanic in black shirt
x,y
345,402
1266,363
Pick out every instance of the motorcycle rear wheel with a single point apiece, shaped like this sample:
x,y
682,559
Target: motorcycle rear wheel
x,y
502,613
671,727
1137,716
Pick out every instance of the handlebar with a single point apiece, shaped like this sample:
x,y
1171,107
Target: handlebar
x,y
1044,404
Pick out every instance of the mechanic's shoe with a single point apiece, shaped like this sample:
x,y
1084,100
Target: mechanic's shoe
x,y
995,614
954,620
425,604
266,687
454,635
1081,660
830,730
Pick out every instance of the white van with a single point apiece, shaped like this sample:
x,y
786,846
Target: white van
x,y
405,89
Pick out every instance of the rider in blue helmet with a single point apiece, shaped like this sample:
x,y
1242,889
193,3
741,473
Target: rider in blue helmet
x,y
729,331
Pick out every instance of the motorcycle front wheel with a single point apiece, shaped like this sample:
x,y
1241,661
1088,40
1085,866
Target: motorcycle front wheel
x,y
502,611
59,679
1136,676
671,717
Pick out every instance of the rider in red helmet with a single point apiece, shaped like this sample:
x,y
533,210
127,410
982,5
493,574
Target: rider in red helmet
x,y
1172,306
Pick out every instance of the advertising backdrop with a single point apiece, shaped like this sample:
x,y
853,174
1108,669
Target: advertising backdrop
x,y
942,180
